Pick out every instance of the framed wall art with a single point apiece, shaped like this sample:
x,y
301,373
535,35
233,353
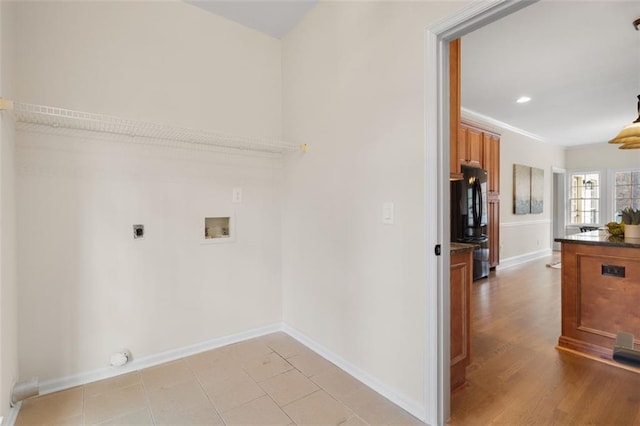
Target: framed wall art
x,y
537,190
521,189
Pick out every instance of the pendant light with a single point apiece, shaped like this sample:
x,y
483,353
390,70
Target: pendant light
x,y
629,137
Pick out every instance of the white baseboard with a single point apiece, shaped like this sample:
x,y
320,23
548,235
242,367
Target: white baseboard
x,y
523,258
415,408
11,418
54,385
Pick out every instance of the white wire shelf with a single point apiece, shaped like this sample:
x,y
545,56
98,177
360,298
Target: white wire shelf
x,y
41,117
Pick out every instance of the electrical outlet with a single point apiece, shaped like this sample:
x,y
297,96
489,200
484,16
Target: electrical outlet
x,y
613,271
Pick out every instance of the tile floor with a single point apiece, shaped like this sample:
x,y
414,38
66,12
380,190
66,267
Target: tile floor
x,y
271,380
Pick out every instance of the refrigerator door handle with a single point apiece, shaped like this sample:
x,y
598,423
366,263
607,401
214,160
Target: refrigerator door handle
x,y
477,204
480,204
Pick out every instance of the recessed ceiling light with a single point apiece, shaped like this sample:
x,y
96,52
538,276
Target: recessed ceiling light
x,y
523,99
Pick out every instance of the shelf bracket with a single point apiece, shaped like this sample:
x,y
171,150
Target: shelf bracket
x,y
6,104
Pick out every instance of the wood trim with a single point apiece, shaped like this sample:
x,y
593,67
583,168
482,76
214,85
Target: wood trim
x,y
599,359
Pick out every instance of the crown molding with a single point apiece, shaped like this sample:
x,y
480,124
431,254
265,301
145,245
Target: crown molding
x,y
478,118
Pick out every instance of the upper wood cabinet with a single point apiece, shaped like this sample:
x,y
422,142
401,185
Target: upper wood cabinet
x,y
470,146
491,160
454,109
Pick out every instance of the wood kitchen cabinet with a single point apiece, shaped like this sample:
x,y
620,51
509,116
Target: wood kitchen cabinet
x,y
491,160
465,142
454,109
470,146
600,292
461,277
493,207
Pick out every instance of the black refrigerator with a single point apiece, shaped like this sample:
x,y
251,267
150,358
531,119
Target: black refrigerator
x,y
469,216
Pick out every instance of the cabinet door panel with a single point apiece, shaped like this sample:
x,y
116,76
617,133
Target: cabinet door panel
x,y
494,232
461,277
495,163
462,145
491,160
474,147
470,146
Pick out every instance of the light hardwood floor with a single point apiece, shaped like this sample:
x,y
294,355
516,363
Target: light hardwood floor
x,y
517,377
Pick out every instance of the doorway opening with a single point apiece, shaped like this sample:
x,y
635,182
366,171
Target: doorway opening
x,y
438,37
557,206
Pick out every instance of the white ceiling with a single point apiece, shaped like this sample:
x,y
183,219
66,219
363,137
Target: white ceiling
x,y
272,17
579,61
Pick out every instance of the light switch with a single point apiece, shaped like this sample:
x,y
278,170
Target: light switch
x,y
387,213
237,195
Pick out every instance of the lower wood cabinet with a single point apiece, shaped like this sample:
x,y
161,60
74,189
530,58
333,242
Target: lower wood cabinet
x,y
461,278
600,294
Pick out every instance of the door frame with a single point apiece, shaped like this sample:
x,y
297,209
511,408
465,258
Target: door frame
x,y
437,198
558,205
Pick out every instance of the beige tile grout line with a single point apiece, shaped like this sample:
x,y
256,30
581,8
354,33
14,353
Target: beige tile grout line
x,y
263,390
146,397
320,388
205,392
82,415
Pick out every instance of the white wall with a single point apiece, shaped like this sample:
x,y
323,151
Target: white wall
x,y
86,287
601,156
354,90
167,62
8,282
521,235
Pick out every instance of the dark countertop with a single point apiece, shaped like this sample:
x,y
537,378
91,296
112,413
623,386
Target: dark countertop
x,y
600,238
461,247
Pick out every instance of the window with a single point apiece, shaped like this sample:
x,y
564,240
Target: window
x,y
585,199
627,190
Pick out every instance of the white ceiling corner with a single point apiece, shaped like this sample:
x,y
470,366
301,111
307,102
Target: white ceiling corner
x,y
272,17
578,60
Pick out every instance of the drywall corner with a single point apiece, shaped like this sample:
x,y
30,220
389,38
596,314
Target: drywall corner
x,y
8,280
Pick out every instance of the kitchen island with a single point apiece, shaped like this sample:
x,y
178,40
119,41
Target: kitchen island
x,y
600,292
